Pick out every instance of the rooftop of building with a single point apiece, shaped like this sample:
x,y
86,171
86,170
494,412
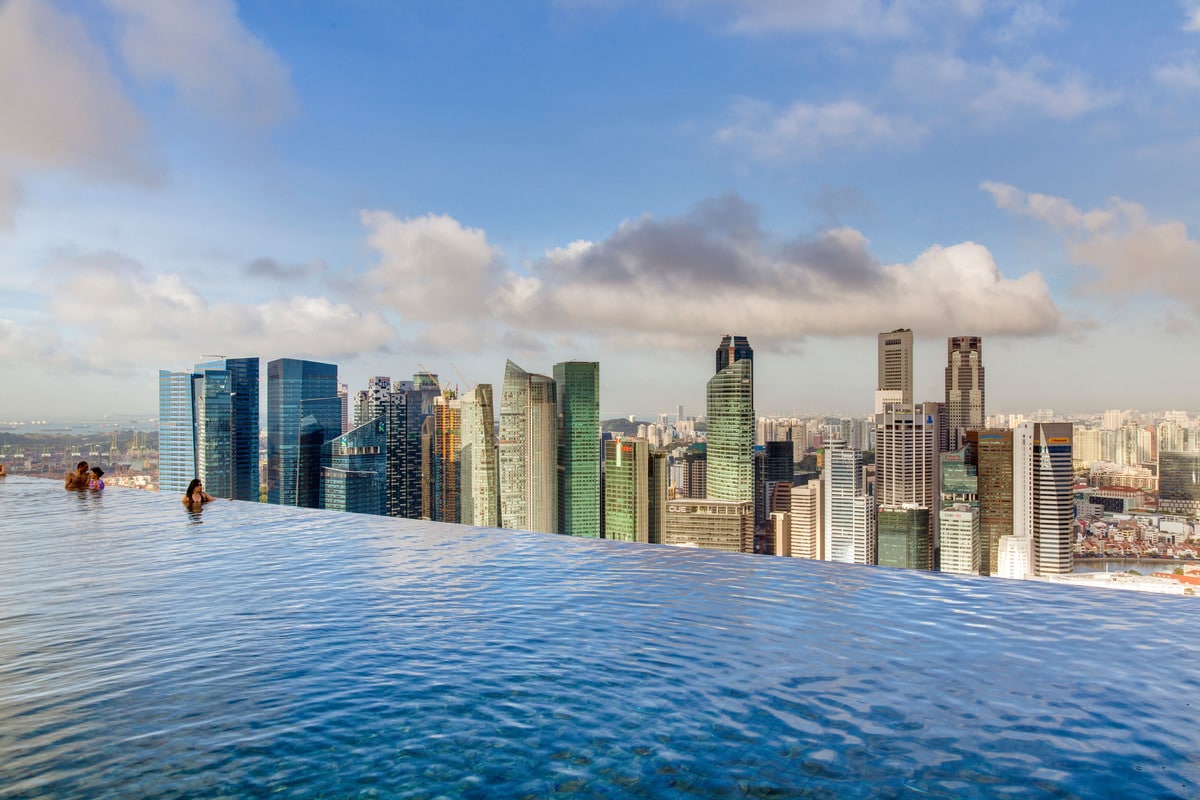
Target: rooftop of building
x,y
251,649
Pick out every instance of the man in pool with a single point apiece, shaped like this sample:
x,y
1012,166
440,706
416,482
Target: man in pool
x,y
77,479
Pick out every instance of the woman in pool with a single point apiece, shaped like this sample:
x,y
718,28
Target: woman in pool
x,y
94,483
196,496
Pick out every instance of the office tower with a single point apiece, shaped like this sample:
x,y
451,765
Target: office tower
x,y
426,380
1179,482
344,396
635,491
779,526
961,548
711,524
960,553
176,432
807,517
479,486
443,485
679,412
578,423
903,536
405,409
849,508
695,474
730,470
1042,498
303,412
964,388
895,384
777,471
1014,558
528,452
208,428
731,350
994,455
360,409
354,470
906,478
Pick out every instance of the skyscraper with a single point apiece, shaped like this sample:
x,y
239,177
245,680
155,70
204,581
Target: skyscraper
x,y
907,479
447,439
208,428
479,485
635,491
895,384
730,469
176,431
405,409
303,413
994,462
1044,489
354,470
711,524
964,388
959,519
850,534
578,423
528,452
807,520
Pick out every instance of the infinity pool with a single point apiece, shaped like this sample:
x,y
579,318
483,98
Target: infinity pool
x,y
252,650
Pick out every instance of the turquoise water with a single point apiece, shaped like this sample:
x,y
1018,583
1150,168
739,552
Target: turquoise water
x,y
251,651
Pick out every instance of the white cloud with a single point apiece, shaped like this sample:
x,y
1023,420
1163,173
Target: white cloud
x,y
1130,253
1192,15
673,282
431,268
1182,76
213,63
994,93
803,130
122,317
63,107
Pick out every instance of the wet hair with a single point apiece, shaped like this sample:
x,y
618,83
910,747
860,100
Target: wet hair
x,y
82,466
98,472
192,488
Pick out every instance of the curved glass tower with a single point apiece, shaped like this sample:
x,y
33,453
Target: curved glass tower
x,y
731,423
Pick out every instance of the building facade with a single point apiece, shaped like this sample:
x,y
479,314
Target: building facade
x,y
964,388
730,393
303,413
479,482
528,451
578,423
850,535
710,524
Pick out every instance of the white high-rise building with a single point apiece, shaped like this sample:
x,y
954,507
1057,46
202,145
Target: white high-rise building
x,y
849,510
1015,558
961,549
807,519
480,488
907,472
528,452
964,388
1043,502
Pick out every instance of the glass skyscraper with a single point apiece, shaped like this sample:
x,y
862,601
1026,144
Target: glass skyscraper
x,y
578,384
208,428
303,413
730,470
354,470
176,431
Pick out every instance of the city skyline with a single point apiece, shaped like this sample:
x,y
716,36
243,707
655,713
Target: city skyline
x,y
454,185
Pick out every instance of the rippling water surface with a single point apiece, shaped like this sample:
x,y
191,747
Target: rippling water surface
x,y
254,650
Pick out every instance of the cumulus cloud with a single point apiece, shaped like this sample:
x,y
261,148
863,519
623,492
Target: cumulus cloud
x,y
995,92
205,54
671,281
63,107
433,270
1130,252
123,314
803,130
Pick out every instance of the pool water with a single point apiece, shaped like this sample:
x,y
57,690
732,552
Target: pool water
x,y
251,650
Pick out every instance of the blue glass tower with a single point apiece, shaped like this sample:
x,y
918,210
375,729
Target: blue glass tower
x,y
354,470
208,428
176,431
303,413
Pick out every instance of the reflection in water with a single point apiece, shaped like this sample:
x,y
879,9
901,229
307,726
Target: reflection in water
x,y
329,655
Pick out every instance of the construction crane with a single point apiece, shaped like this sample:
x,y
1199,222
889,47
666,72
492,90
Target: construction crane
x,y
461,377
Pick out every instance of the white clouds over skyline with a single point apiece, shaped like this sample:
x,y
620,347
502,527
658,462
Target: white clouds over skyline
x,y
803,130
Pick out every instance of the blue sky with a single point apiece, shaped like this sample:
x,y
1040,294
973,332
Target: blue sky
x,y
385,185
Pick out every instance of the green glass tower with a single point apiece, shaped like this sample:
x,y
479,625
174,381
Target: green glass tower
x,y
731,423
578,385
